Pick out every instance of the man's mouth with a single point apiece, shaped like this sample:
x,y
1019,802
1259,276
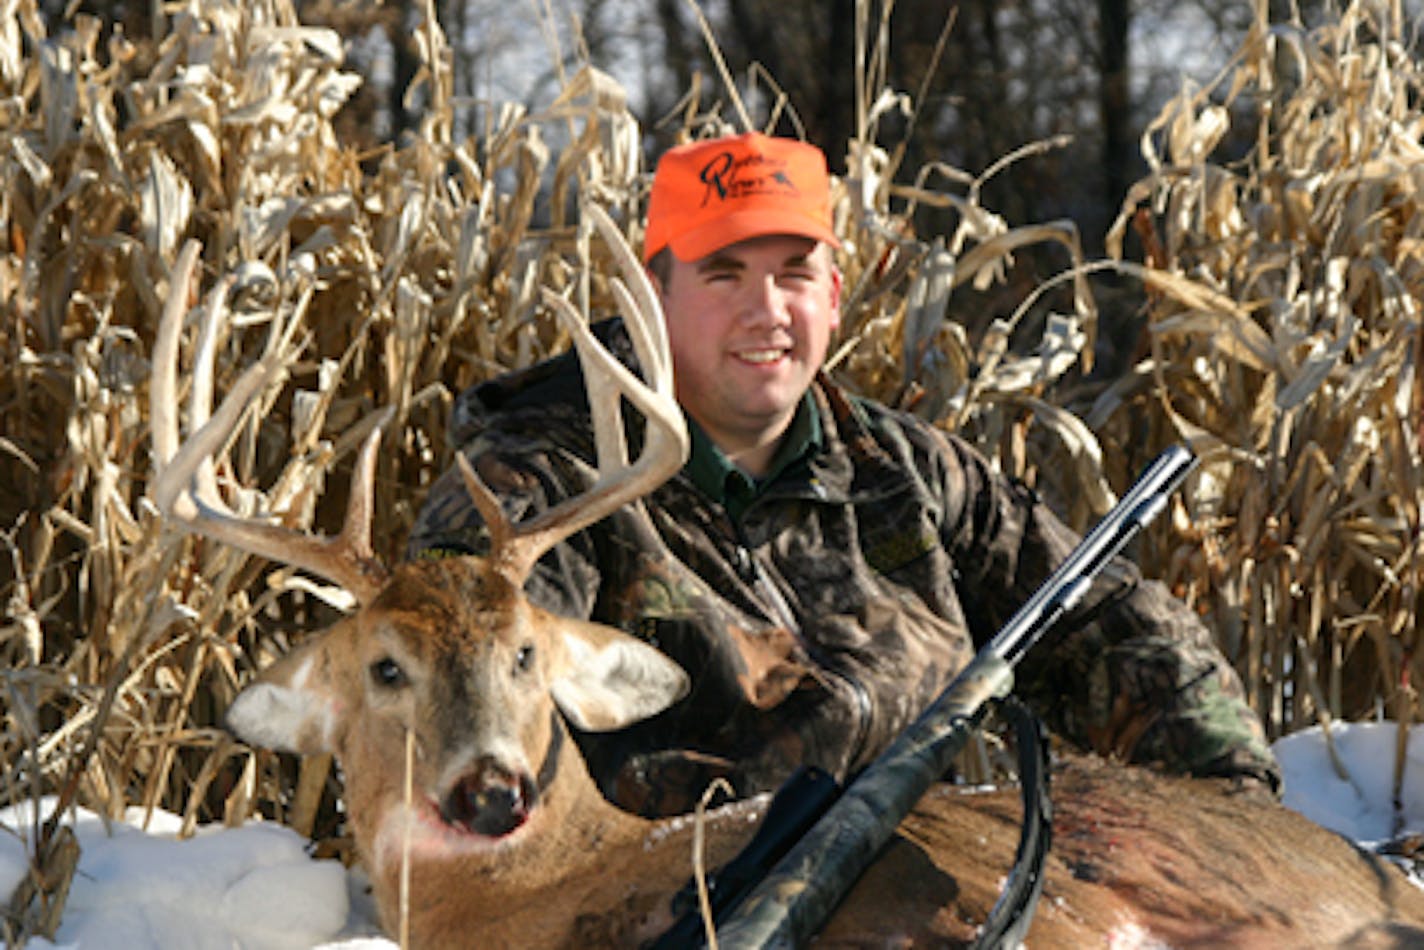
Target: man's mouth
x,y
761,357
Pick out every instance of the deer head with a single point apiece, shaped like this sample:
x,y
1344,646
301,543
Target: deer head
x,y
443,693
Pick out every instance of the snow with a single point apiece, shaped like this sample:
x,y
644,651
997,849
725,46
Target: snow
x,y
1359,805
252,887
256,886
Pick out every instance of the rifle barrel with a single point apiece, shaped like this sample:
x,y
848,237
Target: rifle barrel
x,y
1066,585
799,894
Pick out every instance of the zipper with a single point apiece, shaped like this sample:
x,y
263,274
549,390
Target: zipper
x,y
752,571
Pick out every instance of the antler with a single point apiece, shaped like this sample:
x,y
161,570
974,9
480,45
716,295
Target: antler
x,y
185,484
515,549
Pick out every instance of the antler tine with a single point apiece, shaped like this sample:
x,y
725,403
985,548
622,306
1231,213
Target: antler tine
x,y
184,486
650,340
486,502
666,442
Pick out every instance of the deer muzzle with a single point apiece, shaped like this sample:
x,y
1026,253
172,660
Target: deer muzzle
x,y
490,800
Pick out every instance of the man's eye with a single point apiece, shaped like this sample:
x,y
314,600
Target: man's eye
x,y
387,673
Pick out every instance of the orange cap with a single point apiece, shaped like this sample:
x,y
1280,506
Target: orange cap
x,y
710,194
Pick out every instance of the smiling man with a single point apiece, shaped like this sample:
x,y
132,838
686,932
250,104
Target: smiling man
x,y
823,565
739,242
749,325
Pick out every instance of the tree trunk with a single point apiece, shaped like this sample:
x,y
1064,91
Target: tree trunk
x,y
1114,97
407,62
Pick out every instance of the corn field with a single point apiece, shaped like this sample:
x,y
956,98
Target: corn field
x,y
1283,339
1277,300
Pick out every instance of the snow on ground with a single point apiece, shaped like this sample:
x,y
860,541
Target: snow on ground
x,y
255,886
1358,805
223,888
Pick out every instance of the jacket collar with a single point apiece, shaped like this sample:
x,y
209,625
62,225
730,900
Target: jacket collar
x,y
832,455
720,480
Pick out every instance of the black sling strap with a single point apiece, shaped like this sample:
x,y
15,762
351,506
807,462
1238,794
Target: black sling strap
x,y
1011,915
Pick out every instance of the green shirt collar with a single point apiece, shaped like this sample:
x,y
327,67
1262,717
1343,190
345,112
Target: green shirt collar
x,y
715,475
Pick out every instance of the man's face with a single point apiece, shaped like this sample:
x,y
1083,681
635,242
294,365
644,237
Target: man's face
x,y
748,327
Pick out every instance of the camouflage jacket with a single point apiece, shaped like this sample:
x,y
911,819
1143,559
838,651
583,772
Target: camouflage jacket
x,y
842,600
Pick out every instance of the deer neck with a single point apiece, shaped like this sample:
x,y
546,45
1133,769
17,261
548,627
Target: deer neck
x,y
582,872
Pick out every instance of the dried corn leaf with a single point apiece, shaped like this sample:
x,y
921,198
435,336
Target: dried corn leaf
x,y
1321,362
165,205
1083,450
926,303
1236,339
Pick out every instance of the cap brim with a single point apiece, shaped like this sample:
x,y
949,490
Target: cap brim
x,y
740,226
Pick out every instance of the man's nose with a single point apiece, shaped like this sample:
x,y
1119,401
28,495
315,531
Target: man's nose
x,y
765,303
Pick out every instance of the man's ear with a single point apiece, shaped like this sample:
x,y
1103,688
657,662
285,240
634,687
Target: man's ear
x,y
296,704
609,680
659,270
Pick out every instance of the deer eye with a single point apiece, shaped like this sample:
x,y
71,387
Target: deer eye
x,y
387,673
524,659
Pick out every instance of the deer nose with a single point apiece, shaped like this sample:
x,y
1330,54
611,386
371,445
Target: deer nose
x,y
490,800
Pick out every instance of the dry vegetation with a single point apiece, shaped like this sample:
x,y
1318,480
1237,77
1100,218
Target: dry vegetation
x,y
1283,338
1280,334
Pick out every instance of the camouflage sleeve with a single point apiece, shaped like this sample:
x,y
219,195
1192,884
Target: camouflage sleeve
x,y
528,476
1132,673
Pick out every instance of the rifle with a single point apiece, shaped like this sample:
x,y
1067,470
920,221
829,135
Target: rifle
x,y
813,872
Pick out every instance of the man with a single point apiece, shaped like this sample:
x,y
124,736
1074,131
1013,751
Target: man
x,y
823,565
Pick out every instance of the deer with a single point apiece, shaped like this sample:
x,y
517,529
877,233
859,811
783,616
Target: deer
x,y
447,696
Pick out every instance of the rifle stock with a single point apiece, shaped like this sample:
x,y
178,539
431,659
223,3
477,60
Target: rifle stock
x,y
798,895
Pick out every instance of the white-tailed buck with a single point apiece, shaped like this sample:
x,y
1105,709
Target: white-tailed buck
x,y
445,697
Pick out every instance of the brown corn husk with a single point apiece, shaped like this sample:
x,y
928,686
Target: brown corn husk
x,y
1282,337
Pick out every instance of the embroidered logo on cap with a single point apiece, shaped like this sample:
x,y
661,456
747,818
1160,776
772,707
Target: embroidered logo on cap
x,y
729,179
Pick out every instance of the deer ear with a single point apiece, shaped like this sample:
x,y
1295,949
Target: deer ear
x,y
611,680
291,707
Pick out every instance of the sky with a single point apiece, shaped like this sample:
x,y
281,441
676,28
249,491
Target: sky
x,y
255,886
